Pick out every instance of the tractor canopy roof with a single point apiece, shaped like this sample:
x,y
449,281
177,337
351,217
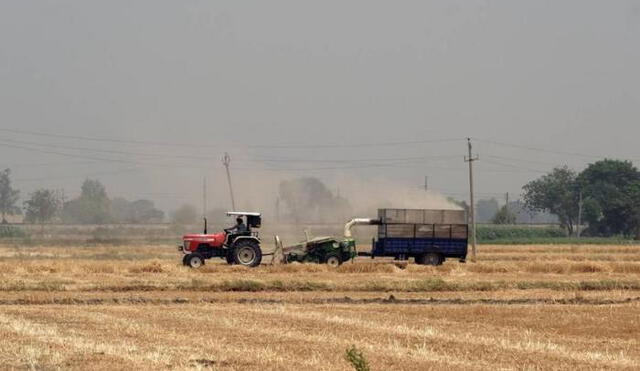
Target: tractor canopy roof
x,y
242,213
254,220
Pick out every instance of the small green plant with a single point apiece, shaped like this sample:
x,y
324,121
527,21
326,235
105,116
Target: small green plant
x,y
356,358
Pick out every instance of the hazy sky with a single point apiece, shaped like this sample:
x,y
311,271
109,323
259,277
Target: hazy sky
x,y
273,81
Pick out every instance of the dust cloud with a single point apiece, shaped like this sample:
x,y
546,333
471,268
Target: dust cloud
x,y
309,199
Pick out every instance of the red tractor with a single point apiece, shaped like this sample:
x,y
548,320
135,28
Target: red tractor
x,y
237,245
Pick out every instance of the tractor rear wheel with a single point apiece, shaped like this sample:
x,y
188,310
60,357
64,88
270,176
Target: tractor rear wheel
x,y
247,253
432,259
195,260
333,261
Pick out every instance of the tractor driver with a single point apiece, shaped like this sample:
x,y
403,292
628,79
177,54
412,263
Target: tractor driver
x,y
239,228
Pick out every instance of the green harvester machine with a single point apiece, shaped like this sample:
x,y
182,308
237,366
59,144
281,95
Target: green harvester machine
x,y
322,250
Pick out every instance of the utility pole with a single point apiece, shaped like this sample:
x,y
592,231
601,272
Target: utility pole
x,y
506,199
579,215
470,159
426,183
226,160
204,197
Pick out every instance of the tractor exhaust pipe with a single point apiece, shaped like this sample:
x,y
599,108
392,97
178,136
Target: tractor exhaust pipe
x,y
352,222
205,225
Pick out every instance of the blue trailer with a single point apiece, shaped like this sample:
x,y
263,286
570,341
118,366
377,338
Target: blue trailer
x,y
428,236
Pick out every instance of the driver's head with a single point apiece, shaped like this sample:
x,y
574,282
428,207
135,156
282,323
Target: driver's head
x,y
239,220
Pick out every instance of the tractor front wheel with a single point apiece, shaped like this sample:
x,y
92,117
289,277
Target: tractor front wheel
x,y
194,260
247,253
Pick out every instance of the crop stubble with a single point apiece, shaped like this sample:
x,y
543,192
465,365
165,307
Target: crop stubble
x,y
539,307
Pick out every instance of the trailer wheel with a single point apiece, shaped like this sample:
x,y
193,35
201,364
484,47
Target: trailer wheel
x,y
333,261
247,253
420,259
432,259
195,260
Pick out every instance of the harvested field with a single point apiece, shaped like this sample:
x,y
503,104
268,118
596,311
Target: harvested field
x,y
106,307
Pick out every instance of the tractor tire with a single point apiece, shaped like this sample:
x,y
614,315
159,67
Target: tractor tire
x,y
432,259
247,253
420,259
333,260
195,260
184,260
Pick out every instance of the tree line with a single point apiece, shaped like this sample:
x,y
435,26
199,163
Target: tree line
x,y
605,196
93,206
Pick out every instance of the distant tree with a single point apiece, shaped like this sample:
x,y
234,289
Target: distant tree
x,y
504,216
611,194
120,210
42,206
92,207
486,210
634,205
185,214
8,196
556,193
144,211
135,212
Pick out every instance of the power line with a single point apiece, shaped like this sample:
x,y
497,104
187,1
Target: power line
x,y
523,160
354,163
355,145
537,149
104,139
516,167
207,158
49,164
418,158
103,159
25,180
389,163
191,144
18,144
5,144
288,146
364,166
105,150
